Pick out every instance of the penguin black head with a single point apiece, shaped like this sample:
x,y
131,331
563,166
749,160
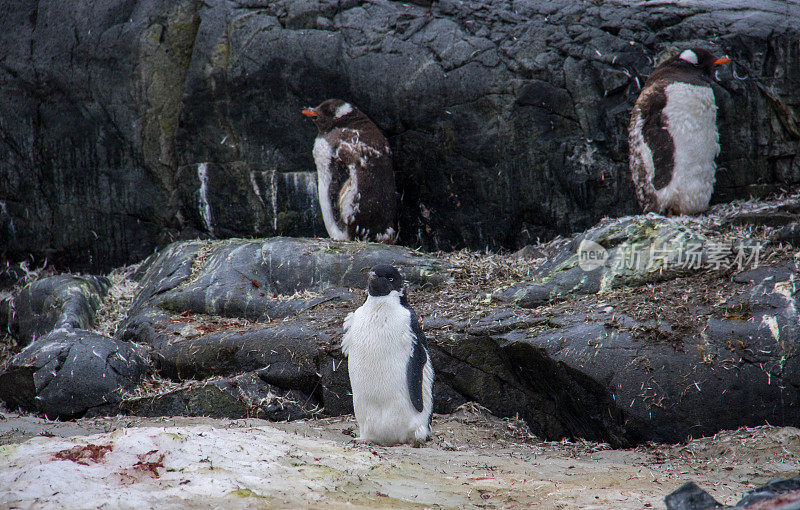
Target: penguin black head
x,y
383,279
695,59
332,113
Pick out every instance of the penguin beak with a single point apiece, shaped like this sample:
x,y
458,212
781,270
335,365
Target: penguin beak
x,y
310,112
371,275
723,60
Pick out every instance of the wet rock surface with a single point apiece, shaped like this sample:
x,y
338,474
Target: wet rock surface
x,y
71,372
134,124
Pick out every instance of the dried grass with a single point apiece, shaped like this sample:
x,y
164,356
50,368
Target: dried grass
x,y
305,295
117,302
155,385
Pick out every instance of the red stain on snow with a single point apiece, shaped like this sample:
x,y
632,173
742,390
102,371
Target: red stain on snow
x,y
85,454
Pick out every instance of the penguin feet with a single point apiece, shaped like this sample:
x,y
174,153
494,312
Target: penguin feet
x,y
422,434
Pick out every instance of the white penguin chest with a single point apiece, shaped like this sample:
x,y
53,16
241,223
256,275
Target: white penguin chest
x,y
692,121
691,114
378,344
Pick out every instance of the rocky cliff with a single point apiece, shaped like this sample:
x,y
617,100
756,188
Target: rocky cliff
x,y
128,124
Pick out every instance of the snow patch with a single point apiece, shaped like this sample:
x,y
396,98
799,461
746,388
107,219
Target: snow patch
x,y
150,467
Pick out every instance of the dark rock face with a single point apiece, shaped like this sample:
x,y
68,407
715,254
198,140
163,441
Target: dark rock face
x,y
87,177
53,303
69,372
128,124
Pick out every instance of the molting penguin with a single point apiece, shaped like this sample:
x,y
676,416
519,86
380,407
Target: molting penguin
x,y
354,173
673,136
390,370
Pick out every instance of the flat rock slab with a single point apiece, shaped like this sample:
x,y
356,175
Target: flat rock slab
x,y
70,372
256,279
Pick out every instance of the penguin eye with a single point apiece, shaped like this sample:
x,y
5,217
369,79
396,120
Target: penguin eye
x,y
391,279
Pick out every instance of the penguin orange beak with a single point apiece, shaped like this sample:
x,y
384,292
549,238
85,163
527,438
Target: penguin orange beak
x,y
723,60
310,112
371,275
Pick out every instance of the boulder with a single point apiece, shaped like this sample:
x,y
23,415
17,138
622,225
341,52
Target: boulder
x,y
783,494
667,362
780,493
690,497
69,372
54,302
129,125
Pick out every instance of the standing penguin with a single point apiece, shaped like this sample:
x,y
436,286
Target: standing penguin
x,y
390,370
673,136
354,174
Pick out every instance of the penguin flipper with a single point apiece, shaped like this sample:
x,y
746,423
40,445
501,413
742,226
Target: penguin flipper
x,y
340,174
348,322
416,363
347,200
